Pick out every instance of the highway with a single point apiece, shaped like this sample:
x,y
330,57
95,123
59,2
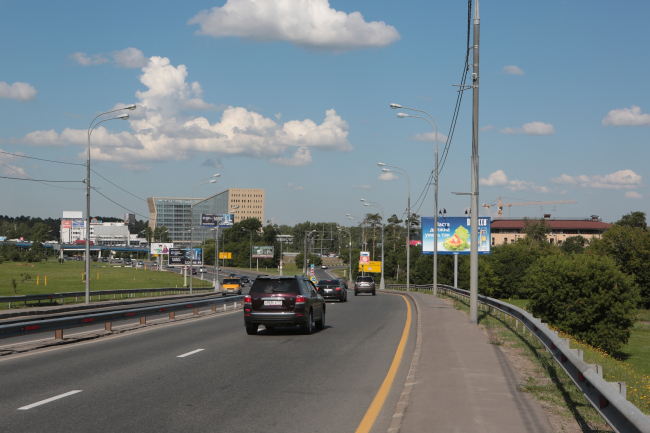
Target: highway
x,y
280,381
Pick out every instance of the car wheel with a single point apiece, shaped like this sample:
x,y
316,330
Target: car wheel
x,y
321,323
373,293
356,293
251,329
308,328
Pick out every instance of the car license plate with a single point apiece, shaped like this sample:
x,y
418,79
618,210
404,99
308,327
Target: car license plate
x,y
328,290
272,302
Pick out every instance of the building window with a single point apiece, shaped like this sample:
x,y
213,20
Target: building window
x,y
505,240
492,241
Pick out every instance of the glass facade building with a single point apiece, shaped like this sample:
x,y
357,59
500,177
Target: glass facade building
x,y
174,213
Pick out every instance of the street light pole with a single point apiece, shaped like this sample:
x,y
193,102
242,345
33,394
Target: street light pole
x,y
408,220
435,207
382,285
363,229
192,225
349,251
91,127
473,279
304,254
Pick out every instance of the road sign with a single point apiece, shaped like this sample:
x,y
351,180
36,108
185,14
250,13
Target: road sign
x,y
312,271
370,267
225,255
281,264
313,279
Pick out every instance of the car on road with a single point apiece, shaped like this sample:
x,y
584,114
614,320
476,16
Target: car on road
x,y
244,279
232,275
323,266
344,282
203,269
283,301
364,284
231,286
332,289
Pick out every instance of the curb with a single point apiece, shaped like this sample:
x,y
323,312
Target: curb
x,y
402,403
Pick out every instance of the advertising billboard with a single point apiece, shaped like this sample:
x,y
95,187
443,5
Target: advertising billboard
x,y
364,257
211,220
262,252
158,248
454,235
66,224
78,224
181,257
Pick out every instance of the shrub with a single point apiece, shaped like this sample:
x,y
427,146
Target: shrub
x,y
587,297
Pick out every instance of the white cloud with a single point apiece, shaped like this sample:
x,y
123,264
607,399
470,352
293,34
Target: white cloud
x,y
84,60
622,179
213,162
513,70
294,187
162,129
278,116
627,117
387,176
532,128
19,91
8,169
429,136
310,24
499,178
633,195
486,128
130,58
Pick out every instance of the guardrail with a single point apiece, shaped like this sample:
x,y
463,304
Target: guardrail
x,y
608,398
99,293
107,318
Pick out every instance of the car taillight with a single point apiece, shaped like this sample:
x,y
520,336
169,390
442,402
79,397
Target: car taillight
x,y
247,299
338,288
301,299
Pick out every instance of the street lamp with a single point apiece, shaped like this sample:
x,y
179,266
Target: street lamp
x,y
435,209
363,229
304,255
408,220
349,250
91,127
196,184
378,206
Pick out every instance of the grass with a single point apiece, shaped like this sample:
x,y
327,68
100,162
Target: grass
x,y
67,277
630,365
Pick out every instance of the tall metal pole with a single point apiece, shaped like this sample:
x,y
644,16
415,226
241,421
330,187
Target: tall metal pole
x,y
216,258
473,279
435,223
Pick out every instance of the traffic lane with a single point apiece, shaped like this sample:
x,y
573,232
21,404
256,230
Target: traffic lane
x,y
269,382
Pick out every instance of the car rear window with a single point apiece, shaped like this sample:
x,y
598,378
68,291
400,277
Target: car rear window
x,y
329,283
230,281
365,279
275,286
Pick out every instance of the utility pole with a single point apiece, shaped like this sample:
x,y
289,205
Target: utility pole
x,y
473,278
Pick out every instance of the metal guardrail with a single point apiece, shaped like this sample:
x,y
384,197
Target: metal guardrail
x,y
98,293
608,398
107,318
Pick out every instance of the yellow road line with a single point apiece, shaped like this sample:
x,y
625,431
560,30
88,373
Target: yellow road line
x,y
378,402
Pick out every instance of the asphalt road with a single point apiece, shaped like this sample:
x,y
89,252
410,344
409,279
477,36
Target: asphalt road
x,y
278,381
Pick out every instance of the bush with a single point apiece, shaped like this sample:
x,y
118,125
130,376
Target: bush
x,y
585,296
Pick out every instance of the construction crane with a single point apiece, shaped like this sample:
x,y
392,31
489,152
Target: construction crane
x,y
500,204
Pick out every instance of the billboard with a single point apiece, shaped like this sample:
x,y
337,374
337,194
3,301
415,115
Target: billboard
x,y
66,224
262,252
78,224
181,257
364,257
370,267
415,243
225,255
211,220
158,248
454,235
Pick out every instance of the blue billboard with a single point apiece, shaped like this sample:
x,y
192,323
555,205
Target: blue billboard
x,y
454,235
211,220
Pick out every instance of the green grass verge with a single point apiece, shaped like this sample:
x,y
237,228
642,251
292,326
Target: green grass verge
x,y
67,277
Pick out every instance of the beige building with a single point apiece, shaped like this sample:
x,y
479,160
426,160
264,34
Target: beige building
x,y
507,231
250,202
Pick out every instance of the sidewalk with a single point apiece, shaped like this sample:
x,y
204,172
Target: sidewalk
x,y
463,383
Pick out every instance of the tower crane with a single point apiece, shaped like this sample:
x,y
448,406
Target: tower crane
x,y
500,204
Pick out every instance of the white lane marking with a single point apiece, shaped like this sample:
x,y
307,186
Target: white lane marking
x,y
190,353
29,406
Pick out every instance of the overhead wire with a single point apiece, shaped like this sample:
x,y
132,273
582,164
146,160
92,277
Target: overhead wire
x,y
41,159
116,203
117,186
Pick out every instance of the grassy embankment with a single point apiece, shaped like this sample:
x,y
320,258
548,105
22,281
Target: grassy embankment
x,y
67,277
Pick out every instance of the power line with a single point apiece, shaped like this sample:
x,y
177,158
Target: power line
x,y
40,180
41,159
114,202
116,186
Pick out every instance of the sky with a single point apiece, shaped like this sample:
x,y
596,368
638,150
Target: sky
x,y
293,96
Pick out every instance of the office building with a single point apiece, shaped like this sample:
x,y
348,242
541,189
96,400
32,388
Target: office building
x,y
173,213
508,230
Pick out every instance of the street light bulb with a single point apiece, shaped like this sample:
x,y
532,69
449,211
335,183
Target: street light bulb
x,y
212,181
366,204
122,116
216,175
393,106
363,199
130,107
381,164
402,115
386,170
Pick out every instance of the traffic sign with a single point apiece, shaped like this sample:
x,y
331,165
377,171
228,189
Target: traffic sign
x,y
313,280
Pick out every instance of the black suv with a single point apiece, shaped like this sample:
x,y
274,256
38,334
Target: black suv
x,y
283,301
332,289
364,284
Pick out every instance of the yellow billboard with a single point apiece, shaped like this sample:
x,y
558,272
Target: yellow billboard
x,y
225,255
370,267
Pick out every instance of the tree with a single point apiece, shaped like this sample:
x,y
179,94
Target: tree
x,y
574,245
585,296
634,219
393,223
536,230
314,259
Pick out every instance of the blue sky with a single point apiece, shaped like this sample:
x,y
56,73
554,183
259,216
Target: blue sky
x,y
293,96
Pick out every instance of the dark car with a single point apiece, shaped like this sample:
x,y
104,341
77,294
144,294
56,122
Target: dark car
x,y
332,289
244,279
233,275
364,284
283,301
344,281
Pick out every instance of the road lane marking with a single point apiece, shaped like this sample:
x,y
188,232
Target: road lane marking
x,y
378,402
190,353
29,406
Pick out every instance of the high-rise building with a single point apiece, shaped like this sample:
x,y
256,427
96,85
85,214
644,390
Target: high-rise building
x,y
173,213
